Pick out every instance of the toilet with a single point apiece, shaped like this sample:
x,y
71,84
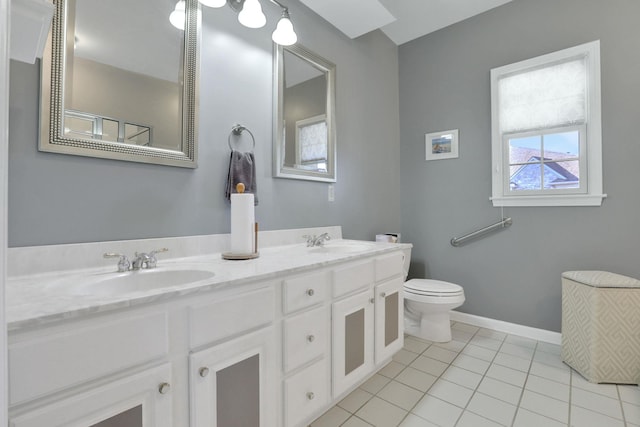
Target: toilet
x,y
427,304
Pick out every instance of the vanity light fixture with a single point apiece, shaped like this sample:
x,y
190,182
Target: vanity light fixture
x,y
250,15
178,16
284,34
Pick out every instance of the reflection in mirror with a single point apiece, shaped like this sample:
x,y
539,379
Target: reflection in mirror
x,y
304,127
119,81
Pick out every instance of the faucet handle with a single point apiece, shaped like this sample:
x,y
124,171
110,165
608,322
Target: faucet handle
x,y
153,261
310,239
123,264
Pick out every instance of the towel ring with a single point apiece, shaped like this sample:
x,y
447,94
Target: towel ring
x,y
237,130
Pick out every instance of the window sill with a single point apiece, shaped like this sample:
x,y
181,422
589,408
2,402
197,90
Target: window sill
x,y
550,200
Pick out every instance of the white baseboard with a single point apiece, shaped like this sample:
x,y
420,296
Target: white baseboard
x,y
510,328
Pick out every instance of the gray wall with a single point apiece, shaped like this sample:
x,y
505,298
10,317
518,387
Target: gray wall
x,y
514,275
57,198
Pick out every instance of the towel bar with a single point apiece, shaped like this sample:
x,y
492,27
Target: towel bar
x,y
458,241
237,130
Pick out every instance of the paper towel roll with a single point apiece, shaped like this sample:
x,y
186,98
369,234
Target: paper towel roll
x,y
242,223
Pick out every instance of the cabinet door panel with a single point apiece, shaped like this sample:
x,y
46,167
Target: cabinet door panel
x,y
135,401
389,319
235,381
352,340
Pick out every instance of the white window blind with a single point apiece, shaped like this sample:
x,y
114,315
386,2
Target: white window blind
x,y
552,96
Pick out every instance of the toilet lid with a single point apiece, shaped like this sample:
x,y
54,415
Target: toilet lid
x,y
432,287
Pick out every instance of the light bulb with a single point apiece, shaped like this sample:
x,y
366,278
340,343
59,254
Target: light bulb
x,y
178,16
284,34
251,14
213,3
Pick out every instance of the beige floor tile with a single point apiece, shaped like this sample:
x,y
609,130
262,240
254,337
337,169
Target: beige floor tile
x,y
392,369
415,421
550,407
462,377
417,379
441,354
428,365
374,384
404,356
332,418
525,418
500,390
437,411
356,422
451,392
381,413
400,395
492,408
355,400
548,388
469,419
581,417
415,345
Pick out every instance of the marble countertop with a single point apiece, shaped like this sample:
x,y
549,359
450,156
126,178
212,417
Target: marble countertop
x,y
48,297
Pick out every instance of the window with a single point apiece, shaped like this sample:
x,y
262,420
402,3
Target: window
x,y
546,132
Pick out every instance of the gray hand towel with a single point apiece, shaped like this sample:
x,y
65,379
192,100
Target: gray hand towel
x,y
242,170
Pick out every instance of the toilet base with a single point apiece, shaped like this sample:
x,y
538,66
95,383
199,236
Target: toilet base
x,y
435,327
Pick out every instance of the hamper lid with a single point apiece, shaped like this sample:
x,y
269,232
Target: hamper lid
x,y
602,279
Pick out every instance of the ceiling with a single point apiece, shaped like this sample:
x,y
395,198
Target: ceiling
x,y
400,20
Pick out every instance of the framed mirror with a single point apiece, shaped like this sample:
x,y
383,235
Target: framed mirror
x,y
304,143
120,81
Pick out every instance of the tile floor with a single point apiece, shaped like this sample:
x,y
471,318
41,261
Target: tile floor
x,y
483,378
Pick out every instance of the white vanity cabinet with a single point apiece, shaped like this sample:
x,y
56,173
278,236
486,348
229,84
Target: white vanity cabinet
x,y
141,400
367,324
305,347
233,372
233,383
89,373
270,352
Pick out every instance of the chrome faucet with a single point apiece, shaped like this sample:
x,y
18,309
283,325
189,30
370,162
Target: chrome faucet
x,y
142,260
317,240
148,259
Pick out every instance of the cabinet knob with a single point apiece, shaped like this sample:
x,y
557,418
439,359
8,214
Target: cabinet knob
x,y
164,388
383,295
311,338
310,292
203,372
310,395
372,300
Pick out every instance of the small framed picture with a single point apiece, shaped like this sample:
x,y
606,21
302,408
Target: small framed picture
x,y
441,145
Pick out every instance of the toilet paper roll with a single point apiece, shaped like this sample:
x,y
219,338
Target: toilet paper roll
x,y
242,223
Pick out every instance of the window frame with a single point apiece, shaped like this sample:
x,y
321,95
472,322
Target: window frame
x,y
590,191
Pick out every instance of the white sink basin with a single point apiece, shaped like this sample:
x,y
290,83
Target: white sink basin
x,y
345,247
107,284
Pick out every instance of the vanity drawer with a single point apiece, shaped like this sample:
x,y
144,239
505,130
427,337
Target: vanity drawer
x,y
304,291
305,337
388,266
305,393
352,278
51,362
225,317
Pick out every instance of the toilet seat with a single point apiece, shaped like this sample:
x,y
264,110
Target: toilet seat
x,y
432,288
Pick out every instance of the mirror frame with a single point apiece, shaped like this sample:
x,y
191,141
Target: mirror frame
x,y
52,101
279,169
